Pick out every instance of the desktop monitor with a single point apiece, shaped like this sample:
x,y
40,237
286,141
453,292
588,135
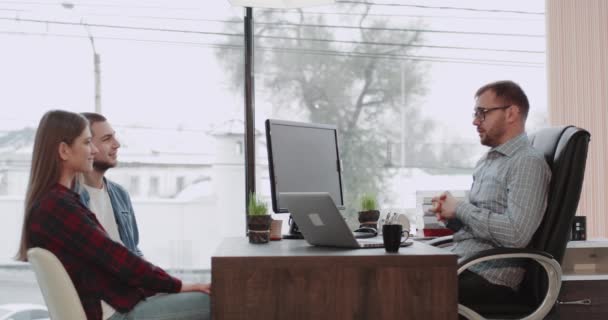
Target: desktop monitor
x,y
303,157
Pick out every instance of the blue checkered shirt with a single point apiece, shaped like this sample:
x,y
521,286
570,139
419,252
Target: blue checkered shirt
x,y
505,207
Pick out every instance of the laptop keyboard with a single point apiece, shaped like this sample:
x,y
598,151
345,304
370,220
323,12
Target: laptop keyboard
x,y
371,243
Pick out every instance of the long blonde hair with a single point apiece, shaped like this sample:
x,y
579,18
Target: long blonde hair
x,y
55,127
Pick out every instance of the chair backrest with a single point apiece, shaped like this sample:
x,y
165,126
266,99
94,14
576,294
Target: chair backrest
x,y
57,288
565,149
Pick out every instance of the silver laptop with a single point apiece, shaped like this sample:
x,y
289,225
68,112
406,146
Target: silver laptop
x,y
322,224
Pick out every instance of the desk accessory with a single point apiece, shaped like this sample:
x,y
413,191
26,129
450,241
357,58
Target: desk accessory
x,y
579,228
276,227
258,220
369,214
395,231
392,234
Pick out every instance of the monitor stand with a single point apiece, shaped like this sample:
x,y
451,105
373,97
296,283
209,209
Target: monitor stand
x,y
294,232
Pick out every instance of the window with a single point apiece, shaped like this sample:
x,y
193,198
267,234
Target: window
x,y
397,80
134,186
153,190
239,147
180,183
165,95
3,183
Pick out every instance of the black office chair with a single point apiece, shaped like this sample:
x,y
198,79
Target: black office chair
x,y
565,149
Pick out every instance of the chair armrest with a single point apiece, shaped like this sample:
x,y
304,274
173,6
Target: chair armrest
x,y
441,241
507,253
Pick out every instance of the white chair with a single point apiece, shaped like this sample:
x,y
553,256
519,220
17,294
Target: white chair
x,y
57,288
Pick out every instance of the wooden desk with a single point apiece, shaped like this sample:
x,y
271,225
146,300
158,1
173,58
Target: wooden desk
x,y
290,279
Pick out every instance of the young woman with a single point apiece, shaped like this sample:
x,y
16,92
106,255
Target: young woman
x,y
112,282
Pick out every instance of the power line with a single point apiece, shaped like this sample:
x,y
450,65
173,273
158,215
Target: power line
x,y
441,7
409,57
407,30
288,11
329,26
268,36
339,2
273,24
80,4
212,45
405,15
524,64
122,27
399,44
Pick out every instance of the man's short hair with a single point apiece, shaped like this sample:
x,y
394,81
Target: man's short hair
x,y
93,117
510,93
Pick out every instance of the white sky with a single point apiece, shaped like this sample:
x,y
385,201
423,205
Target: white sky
x,y
169,84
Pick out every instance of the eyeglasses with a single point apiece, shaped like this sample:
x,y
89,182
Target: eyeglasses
x,y
480,113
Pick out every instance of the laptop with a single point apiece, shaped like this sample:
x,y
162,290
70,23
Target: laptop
x,y
321,223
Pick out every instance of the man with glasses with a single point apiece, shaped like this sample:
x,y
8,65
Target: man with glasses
x,y
507,199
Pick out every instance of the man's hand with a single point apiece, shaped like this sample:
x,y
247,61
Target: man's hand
x,y
444,206
197,287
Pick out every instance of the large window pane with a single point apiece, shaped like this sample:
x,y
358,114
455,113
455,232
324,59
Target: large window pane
x,y
167,97
398,79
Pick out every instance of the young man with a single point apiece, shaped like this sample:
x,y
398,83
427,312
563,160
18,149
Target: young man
x,y
508,197
109,201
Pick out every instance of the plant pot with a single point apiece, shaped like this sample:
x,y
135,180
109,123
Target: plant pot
x,y
259,228
369,219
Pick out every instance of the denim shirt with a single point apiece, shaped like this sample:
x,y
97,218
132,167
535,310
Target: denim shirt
x,y
123,213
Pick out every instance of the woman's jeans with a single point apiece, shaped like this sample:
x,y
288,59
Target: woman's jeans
x,y
175,306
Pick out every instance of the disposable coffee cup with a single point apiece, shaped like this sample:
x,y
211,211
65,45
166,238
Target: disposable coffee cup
x,y
275,229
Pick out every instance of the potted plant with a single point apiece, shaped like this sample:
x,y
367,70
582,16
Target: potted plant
x,y
369,214
258,220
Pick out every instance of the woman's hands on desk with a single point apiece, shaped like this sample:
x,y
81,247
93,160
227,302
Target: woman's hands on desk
x,y
197,287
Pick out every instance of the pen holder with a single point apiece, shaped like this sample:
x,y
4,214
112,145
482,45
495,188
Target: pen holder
x,y
392,237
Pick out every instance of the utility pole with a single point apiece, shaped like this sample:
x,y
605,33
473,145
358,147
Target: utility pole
x,y
96,60
97,71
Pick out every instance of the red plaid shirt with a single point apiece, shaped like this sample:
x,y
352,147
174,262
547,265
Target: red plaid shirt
x,y
100,268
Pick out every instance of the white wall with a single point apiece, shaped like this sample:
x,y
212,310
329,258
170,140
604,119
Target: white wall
x,y
173,234
577,66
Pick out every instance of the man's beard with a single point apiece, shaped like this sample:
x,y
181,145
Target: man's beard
x,y
103,166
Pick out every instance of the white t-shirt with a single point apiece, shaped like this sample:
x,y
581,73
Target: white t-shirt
x,y
101,206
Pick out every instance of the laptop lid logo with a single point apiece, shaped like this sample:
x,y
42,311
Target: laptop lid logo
x,y
315,218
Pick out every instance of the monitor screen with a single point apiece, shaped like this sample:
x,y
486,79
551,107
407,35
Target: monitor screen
x,y
303,157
